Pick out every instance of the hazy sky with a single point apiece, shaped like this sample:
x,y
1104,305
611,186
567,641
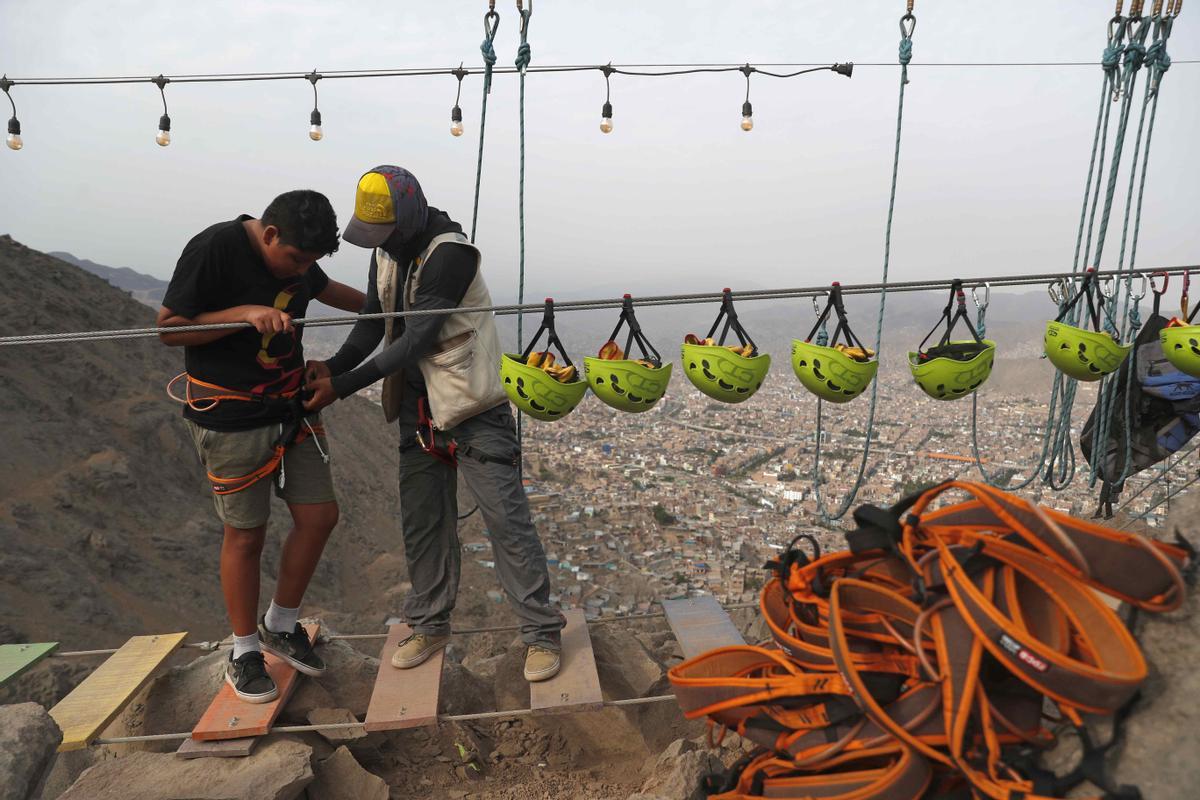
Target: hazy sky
x,y
676,198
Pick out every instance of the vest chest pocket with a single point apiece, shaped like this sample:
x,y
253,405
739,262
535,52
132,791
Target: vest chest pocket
x,y
455,352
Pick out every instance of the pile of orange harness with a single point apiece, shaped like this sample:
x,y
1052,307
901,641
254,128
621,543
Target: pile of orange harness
x,y
926,660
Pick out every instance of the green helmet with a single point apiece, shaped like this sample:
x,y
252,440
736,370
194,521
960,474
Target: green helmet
x,y
1082,354
829,373
536,393
722,374
1181,346
953,370
627,385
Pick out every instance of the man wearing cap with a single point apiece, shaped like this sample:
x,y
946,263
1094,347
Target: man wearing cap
x,y
441,383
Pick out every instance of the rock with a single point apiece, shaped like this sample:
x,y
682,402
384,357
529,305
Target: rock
x,y
351,677
625,665
28,739
340,777
308,697
677,772
463,692
173,701
278,770
322,716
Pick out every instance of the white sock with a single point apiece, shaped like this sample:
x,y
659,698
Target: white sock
x,y
281,620
245,644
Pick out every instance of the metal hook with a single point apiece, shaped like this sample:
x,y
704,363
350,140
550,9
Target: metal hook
x,y
816,305
1059,291
908,24
491,22
987,296
1108,287
1154,284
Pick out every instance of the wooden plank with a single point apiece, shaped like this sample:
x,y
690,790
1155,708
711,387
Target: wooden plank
x,y
404,698
700,625
229,717
16,658
86,711
576,687
221,748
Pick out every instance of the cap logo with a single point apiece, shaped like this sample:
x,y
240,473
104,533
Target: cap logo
x,y
373,201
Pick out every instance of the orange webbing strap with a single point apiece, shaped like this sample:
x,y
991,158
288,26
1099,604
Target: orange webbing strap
x,y
732,683
1104,666
892,772
809,645
960,672
1127,566
198,391
231,485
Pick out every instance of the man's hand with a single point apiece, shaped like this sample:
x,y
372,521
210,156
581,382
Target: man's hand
x,y
315,371
268,320
322,394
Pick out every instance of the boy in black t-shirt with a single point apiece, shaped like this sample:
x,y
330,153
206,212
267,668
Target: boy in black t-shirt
x,y
243,389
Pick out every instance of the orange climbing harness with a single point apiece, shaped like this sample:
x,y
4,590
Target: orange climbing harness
x,y
921,658
203,396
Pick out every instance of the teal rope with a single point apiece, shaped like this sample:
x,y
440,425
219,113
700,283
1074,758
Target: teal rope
x,y
524,55
905,56
489,61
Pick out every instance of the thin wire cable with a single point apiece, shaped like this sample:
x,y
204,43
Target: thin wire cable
x,y
413,72
937,284
337,726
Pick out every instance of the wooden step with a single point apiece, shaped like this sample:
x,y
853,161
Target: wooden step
x,y
219,748
87,710
700,625
228,717
16,658
404,698
576,687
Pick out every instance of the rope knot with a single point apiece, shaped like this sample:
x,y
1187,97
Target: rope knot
x,y
1112,57
489,61
905,51
1135,55
523,56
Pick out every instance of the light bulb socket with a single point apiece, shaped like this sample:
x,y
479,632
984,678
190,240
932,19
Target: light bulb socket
x,y
164,122
844,69
606,112
747,110
314,118
456,114
14,126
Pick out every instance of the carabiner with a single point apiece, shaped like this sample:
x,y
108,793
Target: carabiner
x,y
1154,285
987,296
817,306
1145,286
1107,286
1059,291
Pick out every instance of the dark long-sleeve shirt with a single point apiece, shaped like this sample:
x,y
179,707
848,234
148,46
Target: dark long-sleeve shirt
x,y
445,278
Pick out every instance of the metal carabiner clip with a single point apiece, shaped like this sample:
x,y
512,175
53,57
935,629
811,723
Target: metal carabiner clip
x,y
1107,287
1154,284
817,306
1059,291
987,296
1145,288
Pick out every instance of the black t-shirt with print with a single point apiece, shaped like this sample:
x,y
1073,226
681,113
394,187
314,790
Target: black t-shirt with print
x,y
220,269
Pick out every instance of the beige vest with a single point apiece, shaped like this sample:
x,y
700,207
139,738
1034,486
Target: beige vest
x,y
462,373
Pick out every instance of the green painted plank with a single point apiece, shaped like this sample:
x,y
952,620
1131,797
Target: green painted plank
x,y
16,658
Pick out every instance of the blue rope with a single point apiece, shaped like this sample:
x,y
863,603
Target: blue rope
x,y
489,61
523,57
905,56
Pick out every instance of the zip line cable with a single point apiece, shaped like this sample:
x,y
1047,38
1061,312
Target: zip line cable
x,y
1032,279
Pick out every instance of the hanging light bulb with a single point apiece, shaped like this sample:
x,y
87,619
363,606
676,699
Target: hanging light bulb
x,y
13,141
163,137
747,109
747,116
606,124
314,119
456,126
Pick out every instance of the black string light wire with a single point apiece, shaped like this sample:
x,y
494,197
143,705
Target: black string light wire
x,y
14,140
163,137
315,131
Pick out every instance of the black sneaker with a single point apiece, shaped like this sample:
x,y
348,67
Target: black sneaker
x,y
295,648
249,679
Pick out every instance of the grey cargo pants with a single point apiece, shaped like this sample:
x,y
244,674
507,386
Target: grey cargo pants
x,y
429,515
